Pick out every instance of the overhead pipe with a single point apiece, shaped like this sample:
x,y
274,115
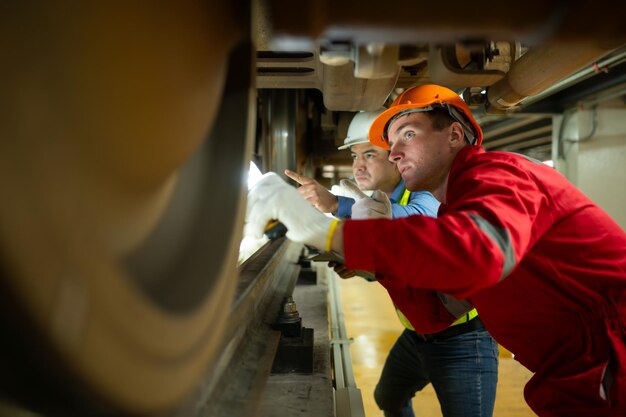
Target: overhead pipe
x,y
540,68
617,57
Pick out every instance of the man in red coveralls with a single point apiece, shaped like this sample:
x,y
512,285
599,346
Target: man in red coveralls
x,y
544,266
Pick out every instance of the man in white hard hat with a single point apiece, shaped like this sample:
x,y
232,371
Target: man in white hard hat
x,y
372,171
415,360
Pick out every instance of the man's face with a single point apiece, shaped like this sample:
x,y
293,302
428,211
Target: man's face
x,y
423,155
372,169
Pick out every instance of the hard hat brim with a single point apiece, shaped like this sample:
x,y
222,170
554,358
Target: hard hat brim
x,y
356,142
377,130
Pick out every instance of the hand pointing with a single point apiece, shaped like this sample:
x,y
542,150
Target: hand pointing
x,y
314,192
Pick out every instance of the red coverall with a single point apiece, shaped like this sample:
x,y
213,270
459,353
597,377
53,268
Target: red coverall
x,y
544,266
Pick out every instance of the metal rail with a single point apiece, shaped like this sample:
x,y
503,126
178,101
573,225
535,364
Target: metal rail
x,y
240,382
235,384
348,399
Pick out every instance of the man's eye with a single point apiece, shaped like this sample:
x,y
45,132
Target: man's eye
x,y
409,135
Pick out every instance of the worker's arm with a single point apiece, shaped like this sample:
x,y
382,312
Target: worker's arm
x,y
344,207
420,202
271,198
485,228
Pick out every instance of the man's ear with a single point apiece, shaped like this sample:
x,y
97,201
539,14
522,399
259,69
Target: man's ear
x,y
457,135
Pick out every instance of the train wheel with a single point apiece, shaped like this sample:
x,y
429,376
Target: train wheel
x,y
122,166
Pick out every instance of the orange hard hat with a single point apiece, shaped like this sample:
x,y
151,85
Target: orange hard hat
x,y
425,98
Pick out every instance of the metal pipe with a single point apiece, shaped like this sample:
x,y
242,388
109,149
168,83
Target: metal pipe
x,y
538,69
616,58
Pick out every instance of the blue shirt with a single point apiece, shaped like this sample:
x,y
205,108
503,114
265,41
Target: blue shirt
x,y
420,202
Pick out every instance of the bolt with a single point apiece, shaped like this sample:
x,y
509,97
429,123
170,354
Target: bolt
x,y
289,311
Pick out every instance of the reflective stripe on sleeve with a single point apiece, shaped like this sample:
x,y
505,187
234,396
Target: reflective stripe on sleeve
x,y
502,239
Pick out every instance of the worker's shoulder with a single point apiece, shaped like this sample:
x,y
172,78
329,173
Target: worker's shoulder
x,y
500,159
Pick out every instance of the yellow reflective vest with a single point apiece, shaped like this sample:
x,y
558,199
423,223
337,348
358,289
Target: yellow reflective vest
x,y
404,200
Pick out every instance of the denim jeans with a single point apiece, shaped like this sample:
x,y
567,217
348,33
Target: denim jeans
x,y
463,370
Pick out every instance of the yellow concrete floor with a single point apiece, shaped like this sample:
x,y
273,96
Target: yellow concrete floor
x,y
371,321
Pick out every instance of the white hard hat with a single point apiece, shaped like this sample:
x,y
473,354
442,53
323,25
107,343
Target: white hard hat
x,y
360,127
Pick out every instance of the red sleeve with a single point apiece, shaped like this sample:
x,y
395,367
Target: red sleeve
x,y
495,211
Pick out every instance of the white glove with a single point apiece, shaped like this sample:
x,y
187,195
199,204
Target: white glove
x,y
376,206
271,198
